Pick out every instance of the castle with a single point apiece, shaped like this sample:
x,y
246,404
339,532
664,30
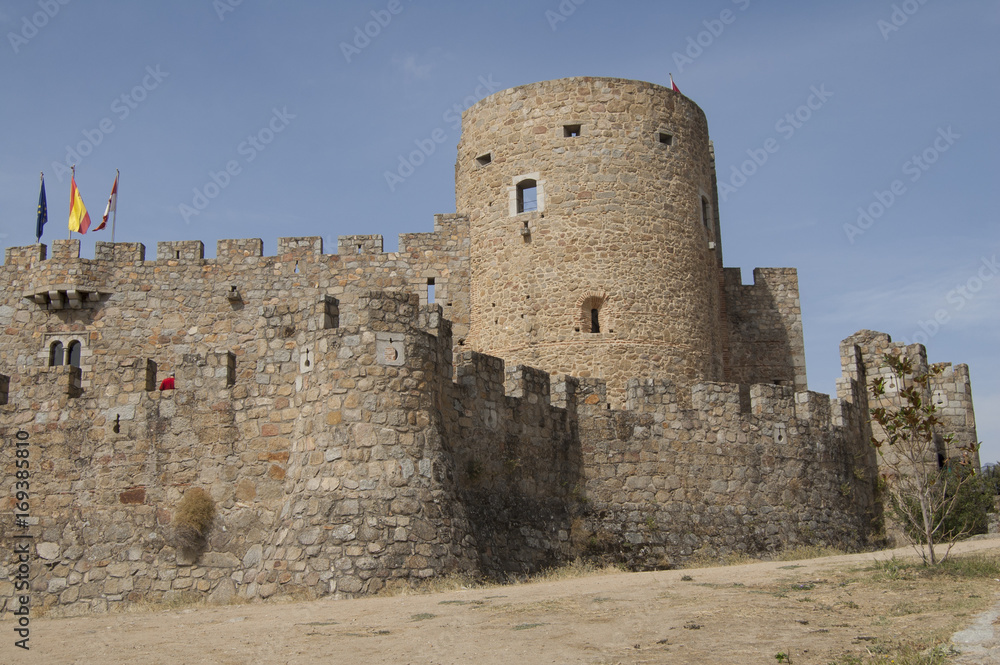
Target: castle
x,y
563,368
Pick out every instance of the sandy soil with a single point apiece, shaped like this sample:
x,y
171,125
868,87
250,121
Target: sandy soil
x,y
816,611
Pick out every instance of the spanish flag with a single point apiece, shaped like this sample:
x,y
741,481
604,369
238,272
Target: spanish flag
x,y
79,219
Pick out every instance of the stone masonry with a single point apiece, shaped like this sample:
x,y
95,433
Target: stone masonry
x,y
587,381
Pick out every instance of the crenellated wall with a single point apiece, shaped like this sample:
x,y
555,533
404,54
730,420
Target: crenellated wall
x,y
666,479
344,459
950,391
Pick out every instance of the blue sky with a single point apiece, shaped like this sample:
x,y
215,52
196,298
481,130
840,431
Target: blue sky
x,y
308,117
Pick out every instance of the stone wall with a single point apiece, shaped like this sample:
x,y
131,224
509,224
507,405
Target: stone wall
x,y
116,298
343,459
329,477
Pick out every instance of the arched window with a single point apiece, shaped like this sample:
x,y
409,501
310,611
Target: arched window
x,y
527,196
56,354
73,353
590,312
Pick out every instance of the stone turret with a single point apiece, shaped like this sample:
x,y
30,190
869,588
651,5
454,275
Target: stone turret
x,y
595,239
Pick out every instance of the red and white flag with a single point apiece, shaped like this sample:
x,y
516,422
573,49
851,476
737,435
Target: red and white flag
x,y
112,204
673,86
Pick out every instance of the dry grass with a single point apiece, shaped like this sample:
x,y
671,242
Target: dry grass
x,y
807,552
459,581
574,569
193,519
703,560
442,584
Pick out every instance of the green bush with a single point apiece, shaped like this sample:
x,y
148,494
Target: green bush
x,y
991,474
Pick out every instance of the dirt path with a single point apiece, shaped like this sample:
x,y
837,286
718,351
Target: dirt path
x,y
815,610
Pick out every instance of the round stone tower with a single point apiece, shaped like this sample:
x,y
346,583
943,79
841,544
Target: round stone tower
x,y
594,235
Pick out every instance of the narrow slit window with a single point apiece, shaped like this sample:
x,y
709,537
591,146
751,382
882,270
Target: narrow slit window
x,y
430,290
56,354
589,320
665,138
527,196
704,212
485,160
331,312
571,130
73,353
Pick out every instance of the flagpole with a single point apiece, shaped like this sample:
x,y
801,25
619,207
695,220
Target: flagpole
x,y
114,218
73,179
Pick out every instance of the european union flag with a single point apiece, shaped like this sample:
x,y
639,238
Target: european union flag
x,y
43,212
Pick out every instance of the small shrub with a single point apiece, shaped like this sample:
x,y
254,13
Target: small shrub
x,y
965,517
991,476
527,626
193,520
473,470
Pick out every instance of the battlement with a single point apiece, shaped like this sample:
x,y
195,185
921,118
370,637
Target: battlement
x,y
450,235
481,375
772,278
119,252
387,311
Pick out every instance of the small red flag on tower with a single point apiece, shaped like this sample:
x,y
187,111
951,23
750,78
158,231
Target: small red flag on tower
x,y
673,86
112,204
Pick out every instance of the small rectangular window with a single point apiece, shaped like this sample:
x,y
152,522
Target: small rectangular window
x,y
571,130
485,160
430,290
664,138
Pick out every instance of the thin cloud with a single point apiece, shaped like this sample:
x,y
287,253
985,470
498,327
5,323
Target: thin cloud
x,y
412,68
966,296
